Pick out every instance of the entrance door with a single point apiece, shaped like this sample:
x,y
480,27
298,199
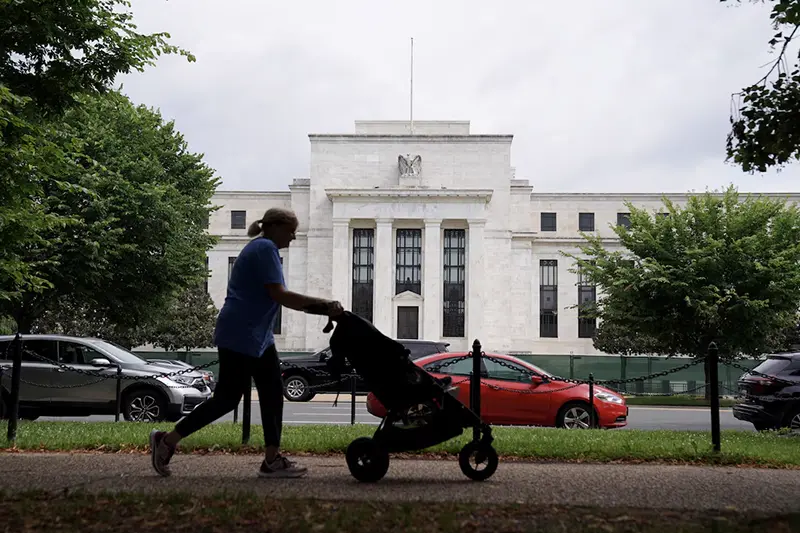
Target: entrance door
x,y
408,322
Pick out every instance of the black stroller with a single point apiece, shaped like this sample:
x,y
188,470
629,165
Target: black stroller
x,y
421,411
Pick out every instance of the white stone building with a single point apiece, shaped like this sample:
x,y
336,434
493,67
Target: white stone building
x,y
430,235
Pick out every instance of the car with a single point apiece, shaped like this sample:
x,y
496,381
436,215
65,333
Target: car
x,y
516,393
301,373
208,376
49,389
771,403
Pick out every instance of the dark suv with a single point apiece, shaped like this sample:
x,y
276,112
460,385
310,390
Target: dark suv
x,y
299,372
771,403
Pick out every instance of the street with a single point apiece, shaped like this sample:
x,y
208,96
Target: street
x,y
322,411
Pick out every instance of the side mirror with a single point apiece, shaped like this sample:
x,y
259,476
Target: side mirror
x,y
100,361
539,380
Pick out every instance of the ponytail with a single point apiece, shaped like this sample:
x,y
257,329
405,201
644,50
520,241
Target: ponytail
x,y
273,216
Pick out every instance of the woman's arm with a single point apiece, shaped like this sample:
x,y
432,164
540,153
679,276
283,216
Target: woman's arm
x,y
294,300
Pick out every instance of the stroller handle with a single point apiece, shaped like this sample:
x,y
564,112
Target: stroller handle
x,y
321,310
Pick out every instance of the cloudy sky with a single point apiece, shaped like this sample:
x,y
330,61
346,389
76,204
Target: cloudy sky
x,y
618,95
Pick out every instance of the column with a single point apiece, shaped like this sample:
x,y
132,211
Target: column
x,y
476,282
432,281
341,258
384,281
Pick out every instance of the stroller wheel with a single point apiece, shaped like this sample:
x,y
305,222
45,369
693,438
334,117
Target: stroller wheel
x,y
483,455
367,461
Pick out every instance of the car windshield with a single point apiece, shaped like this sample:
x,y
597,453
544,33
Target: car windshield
x,y
120,353
773,365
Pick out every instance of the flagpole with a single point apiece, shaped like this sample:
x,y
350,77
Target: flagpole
x,y
411,95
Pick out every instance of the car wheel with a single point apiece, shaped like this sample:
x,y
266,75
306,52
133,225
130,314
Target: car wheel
x,y
144,405
296,389
793,420
574,415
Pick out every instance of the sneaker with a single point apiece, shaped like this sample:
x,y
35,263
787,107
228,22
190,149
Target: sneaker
x,y
160,452
281,467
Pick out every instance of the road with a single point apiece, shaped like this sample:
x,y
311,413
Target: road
x,y
643,486
322,411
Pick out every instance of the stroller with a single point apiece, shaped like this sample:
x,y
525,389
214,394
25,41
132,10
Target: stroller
x,y
421,411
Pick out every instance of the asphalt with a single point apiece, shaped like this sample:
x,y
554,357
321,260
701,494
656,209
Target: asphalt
x,y
641,486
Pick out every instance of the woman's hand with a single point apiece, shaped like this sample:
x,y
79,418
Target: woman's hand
x,y
334,308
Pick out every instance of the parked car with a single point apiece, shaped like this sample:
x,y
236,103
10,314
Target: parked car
x,y
298,372
208,376
509,405
48,389
770,404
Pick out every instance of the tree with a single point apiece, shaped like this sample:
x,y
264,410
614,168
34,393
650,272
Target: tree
x,y
52,53
189,322
139,238
765,126
718,269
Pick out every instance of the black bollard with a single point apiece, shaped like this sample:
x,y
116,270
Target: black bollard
x,y
475,388
713,357
13,414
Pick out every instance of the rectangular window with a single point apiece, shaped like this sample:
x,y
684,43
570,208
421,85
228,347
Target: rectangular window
x,y
276,327
408,322
238,219
453,295
585,221
231,261
587,296
624,219
548,298
548,222
408,261
363,271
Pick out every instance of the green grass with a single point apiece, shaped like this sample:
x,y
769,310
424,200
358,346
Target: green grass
x,y
738,447
685,401
233,513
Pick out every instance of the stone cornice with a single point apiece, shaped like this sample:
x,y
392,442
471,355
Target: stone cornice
x,y
645,196
405,137
395,194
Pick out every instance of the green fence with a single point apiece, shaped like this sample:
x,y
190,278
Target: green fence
x,y
603,367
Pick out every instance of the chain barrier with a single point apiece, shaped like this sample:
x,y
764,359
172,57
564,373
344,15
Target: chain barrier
x,y
759,374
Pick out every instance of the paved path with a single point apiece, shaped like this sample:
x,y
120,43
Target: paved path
x,y
650,486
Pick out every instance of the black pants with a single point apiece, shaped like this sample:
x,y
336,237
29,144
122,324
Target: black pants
x,y
235,373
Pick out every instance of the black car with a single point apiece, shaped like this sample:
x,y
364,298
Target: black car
x,y
299,372
769,403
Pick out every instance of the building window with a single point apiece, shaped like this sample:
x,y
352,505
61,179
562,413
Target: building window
x,y
408,261
662,215
548,298
548,222
231,261
238,219
624,219
585,221
454,283
587,296
276,327
363,271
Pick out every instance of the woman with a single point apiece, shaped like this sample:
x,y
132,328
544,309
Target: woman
x,y
244,339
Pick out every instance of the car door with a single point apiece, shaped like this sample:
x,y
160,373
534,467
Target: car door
x,y
79,390
459,372
513,398
37,373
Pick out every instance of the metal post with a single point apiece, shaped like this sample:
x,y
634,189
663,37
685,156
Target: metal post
x,y
119,394
475,387
713,357
248,396
236,412
352,399
13,415
591,401
2,403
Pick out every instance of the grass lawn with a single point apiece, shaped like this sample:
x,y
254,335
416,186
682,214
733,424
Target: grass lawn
x,y
235,513
681,400
738,447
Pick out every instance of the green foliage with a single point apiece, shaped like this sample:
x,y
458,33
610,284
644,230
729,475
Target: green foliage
x,y
140,238
720,269
53,51
188,323
765,132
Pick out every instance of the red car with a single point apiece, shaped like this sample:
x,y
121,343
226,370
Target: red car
x,y
504,400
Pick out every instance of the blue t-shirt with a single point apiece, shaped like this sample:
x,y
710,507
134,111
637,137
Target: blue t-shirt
x,y
246,320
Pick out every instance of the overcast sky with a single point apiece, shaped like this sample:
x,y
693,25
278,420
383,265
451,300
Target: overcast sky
x,y
615,95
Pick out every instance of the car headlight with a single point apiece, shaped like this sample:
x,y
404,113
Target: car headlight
x,y
608,397
180,379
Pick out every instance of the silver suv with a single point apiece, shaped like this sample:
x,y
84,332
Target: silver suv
x,y
47,388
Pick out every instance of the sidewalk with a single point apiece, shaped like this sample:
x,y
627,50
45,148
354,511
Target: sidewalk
x,y
644,486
